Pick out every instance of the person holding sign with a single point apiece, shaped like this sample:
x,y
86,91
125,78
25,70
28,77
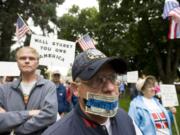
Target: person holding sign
x,y
149,115
27,105
97,112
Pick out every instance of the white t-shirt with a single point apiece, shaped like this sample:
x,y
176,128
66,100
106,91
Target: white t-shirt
x,y
158,116
107,123
26,89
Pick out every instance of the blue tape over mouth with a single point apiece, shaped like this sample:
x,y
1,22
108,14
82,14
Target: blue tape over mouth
x,y
102,104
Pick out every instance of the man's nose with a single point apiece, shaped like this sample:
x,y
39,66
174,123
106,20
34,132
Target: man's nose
x,y
27,60
108,87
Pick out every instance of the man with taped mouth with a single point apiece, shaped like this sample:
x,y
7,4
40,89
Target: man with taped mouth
x,y
97,112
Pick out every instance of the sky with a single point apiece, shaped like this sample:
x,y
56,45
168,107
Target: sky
x,y
81,3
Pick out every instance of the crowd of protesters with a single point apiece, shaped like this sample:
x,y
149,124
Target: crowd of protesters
x,y
87,104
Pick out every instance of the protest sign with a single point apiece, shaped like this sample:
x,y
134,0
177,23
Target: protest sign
x,y
169,99
132,76
53,52
9,69
168,95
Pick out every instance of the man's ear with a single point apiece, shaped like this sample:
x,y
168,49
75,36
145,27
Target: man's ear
x,y
37,64
117,90
75,86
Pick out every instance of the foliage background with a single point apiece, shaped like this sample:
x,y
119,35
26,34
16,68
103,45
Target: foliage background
x,y
130,29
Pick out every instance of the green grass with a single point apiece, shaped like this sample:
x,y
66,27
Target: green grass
x,y
124,103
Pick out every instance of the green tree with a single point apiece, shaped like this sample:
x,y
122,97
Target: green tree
x,y
136,30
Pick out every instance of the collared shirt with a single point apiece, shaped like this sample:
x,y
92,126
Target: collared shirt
x,y
76,122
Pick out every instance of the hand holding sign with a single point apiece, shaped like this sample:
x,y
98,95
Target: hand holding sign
x,y
169,99
168,95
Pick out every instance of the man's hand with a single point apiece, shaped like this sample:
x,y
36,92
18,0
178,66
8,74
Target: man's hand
x,y
173,110
2,110
34,112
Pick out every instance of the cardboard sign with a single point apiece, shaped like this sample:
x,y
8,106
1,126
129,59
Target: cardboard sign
x,y
132,76
9,69
168,95
53,52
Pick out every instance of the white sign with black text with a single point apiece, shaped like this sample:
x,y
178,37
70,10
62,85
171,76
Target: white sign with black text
x,y
168,95
53,52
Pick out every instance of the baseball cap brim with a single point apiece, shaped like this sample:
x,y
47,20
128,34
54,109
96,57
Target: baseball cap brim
x,y
118,64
